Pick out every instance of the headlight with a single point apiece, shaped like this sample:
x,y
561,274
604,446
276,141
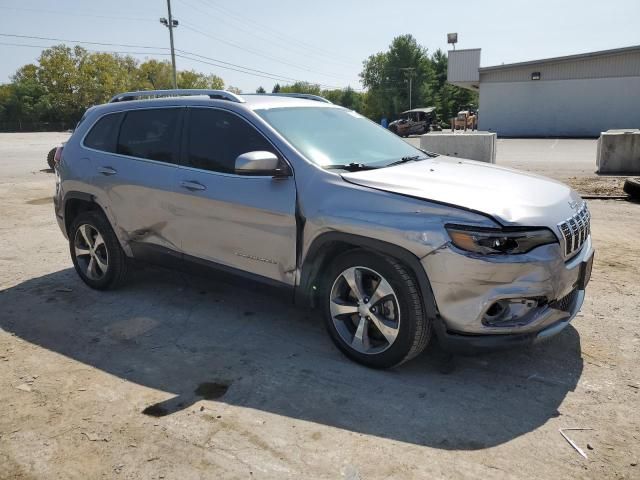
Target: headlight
x,y
495,242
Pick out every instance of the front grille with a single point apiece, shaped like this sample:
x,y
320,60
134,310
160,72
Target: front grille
x,y
565,303
575,230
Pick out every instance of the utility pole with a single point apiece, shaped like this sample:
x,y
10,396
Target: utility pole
x,y
171,24
410,71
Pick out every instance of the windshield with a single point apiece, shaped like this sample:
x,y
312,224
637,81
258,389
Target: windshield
x,y
335,136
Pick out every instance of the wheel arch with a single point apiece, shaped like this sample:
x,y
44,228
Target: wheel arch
x,y
75,203
328,245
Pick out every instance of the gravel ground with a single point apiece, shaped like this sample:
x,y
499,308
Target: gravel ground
x,y
180,377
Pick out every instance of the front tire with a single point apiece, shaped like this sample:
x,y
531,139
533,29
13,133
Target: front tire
x,y
373,310
96,252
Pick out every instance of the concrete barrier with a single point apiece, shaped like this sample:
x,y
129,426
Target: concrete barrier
x,y
479,146
619,152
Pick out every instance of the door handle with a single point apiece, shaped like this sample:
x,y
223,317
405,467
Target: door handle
x,y
107,171
193,186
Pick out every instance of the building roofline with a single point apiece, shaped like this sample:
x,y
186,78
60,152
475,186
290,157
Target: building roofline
x,y
465,50
615,51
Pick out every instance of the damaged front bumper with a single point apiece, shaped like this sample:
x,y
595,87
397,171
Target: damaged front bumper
x,y
540,291
467,343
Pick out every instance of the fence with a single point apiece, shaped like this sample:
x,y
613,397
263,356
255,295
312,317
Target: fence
x,y
36,126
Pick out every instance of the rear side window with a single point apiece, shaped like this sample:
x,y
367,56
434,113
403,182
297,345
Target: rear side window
x,y
216,138
104,134
151,134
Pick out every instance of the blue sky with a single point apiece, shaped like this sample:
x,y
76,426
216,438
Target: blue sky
x,y
321,41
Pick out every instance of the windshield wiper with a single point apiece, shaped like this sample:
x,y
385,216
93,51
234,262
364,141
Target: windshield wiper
x,y
412,158
429,154
352,167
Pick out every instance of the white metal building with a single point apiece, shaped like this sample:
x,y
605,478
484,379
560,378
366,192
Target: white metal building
x,y
573,96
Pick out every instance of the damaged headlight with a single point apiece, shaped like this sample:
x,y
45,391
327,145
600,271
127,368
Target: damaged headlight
x,y
492,242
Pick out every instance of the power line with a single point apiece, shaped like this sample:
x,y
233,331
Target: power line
x,y
121,52
31,37
241,24
282,77
188,26
259,53
155,53
253,72
219,63
290,40
229,68
193,28
67,13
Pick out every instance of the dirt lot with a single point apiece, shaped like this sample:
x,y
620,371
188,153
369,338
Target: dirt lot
x,y
180,377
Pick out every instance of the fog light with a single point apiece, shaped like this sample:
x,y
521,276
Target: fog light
x,y
496,311
509,312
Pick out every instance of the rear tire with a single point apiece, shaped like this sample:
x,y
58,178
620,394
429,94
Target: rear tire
x,y
96,252
373,309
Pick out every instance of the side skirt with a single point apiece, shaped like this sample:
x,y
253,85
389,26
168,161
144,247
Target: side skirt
x,y
168,258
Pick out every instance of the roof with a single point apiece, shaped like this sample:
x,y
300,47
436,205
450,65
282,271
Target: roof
x,y
421,109
154,98
205,93
263,101
580,56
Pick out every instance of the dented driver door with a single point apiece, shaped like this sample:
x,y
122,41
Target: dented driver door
x,y
244,222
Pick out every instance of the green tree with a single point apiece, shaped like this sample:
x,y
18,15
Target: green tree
x,y
276,88
386,76
24,99
301,87
100,76
347,98
155,75
260,90
58,74
334,96
67,80
193,79
351,99
233,89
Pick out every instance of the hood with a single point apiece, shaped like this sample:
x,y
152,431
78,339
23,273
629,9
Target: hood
x,y
510,196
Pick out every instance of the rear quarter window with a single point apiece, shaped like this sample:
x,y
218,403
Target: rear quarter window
x,y
104,134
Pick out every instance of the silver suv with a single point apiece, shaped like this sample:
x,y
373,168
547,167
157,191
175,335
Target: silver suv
x,y
392,243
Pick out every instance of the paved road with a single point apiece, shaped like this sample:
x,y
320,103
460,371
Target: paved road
x,y
556,158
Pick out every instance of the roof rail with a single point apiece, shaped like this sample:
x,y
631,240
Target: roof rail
x,y
148,94
306,96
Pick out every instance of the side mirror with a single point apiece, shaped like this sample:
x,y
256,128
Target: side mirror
x,y
261,163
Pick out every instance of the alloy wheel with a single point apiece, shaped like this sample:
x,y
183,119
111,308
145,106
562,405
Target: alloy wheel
x,y
91,252
364,310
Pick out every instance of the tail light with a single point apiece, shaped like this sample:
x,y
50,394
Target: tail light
x,y
58,156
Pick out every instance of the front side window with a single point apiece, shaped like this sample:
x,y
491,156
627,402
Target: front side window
x,y
151,134
331,136
104,134
215,138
